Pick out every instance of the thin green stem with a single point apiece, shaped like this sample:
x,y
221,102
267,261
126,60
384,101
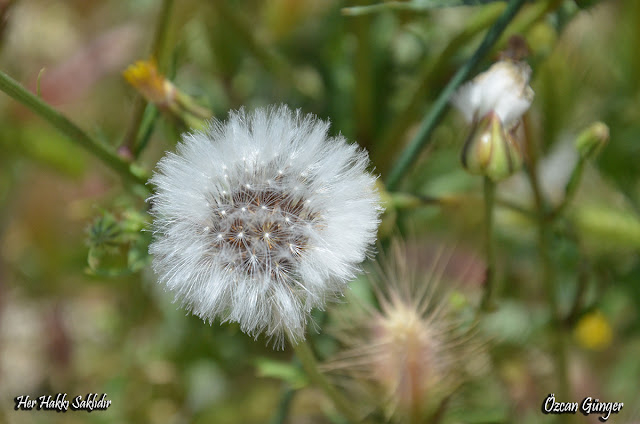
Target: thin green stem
x,y
404,201
516,208
149,118
440,412
422,6
487,303
127,146
310,365
128,171
548,282
364,92
545,221
578,300
436,66
284,405
428,124
159,46
130,142
570,189
433,71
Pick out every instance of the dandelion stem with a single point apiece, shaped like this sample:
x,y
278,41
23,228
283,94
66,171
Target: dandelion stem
x,y
104,152
490,280
431,119
310,365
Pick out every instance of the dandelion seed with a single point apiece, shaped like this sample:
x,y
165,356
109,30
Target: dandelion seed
x,y
280,246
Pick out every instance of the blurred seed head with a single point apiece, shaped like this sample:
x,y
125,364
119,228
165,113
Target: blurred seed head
x,y
411,350
262,218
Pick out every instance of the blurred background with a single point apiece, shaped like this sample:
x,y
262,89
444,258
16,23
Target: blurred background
x,y
77,317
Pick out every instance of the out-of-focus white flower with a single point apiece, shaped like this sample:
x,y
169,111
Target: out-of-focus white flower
x,y
262,218
503,89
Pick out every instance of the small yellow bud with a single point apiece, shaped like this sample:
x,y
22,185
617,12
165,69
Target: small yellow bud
x,y
592,140
153,86
593,331
144,77
490,150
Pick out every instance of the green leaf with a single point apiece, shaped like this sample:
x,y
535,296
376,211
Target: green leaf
x,y
285,371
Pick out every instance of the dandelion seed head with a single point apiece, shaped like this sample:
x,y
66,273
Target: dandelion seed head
x,y
284,235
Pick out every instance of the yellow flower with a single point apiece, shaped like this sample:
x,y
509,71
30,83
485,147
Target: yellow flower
x,y
593,331
144,77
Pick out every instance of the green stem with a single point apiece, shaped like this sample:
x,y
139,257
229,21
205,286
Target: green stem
x,y
407,201
284,405
149,118
433,71
310,365
545,221
440,412
159,46
517,208
487,303
438,65
158,52
424,6
548,282
428,124
364,90
12,88
570,189
129,141
578,300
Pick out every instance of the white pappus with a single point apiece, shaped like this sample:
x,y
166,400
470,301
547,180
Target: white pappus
x,y
261,218
503,88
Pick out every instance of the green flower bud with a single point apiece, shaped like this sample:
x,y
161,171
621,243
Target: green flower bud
x,y
592,140
490,150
